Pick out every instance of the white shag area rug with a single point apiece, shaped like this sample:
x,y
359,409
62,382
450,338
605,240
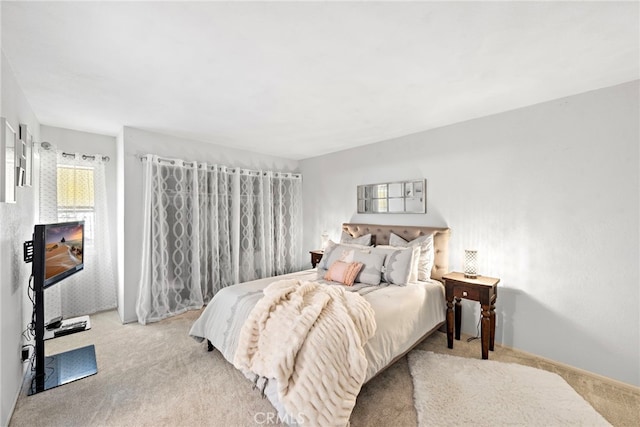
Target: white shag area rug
x,y
457,391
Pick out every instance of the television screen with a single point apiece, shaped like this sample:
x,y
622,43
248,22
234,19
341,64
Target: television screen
x,y
63,250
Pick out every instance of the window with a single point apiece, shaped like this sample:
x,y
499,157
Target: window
x,y
76,200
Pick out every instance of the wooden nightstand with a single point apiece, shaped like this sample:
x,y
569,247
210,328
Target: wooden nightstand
x,y
316,256
482,289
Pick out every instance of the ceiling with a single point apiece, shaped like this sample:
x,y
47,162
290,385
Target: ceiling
x,y
298,80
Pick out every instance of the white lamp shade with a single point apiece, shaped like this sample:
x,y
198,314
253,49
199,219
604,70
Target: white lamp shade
x,y
470,263
324,240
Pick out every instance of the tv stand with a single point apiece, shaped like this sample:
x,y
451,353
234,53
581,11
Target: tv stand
x,y
63,368
58,369
56,252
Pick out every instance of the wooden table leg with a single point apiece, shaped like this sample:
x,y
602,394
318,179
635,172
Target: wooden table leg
x,y
492,317
458,318
450,323
486,330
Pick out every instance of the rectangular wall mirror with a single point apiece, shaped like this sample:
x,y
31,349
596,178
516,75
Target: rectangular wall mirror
x,y
27,138
393,197
8,162
21,162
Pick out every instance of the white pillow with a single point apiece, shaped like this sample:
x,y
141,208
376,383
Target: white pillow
x,y
362,240
425,243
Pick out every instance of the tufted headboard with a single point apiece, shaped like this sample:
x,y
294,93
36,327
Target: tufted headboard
x,y
381,235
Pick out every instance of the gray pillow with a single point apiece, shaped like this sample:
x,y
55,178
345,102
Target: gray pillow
x,y
328,253
425,243
398,264
371,273
413,275
336,251
362,240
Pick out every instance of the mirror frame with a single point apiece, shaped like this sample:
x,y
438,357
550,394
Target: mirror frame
x,y
393,197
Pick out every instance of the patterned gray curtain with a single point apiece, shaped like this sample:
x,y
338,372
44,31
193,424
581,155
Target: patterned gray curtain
x,y
207,227
270,223
216,195
170,278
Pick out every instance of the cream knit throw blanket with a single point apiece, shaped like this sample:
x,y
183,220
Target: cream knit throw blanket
x,y
309,337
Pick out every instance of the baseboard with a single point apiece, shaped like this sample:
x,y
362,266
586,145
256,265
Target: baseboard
x,y
13,408
599,377
127,321
26,377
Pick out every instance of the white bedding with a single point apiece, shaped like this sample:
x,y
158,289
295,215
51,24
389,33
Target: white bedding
x,y
403,315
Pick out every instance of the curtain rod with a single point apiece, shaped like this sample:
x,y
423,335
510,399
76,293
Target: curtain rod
x,y
48,146
143,157
86,156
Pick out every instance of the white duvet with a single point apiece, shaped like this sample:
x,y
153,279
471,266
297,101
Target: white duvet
x,y
403,314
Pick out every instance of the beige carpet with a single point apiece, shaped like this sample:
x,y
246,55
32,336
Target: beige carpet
x,y
452,390
156,375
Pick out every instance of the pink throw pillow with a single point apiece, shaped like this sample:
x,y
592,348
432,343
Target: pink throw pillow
x,y
343,272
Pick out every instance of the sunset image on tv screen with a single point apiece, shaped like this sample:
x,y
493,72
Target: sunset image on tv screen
x,y
63,249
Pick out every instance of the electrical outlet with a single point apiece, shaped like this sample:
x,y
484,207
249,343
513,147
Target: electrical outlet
x,y
25,353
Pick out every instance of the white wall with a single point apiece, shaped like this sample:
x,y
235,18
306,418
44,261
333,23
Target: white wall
x,y
16,226
136,142
548,194
73,141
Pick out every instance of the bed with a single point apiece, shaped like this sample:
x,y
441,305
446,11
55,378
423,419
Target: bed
x,y
404,315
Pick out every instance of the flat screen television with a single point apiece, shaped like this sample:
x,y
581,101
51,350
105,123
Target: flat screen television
x,y
58,250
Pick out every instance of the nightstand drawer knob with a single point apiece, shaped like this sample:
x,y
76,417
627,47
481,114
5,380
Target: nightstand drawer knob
x,y
464,293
